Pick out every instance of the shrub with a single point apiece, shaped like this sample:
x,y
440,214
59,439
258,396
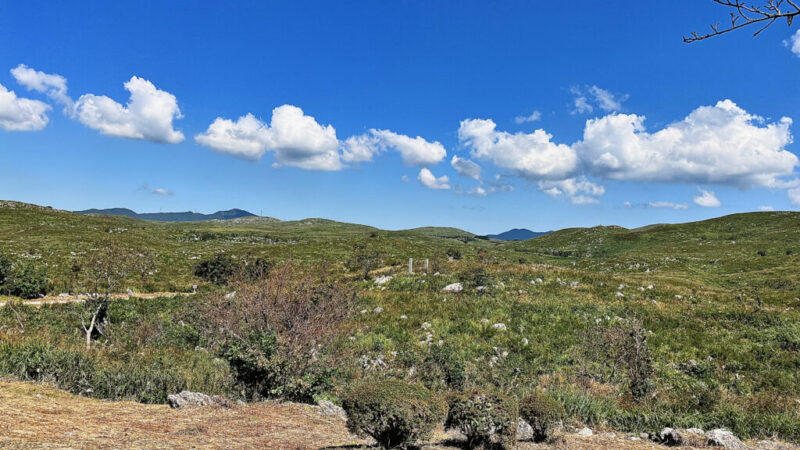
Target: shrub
x,y
274,333
453,253
474,277
542,413
5,271
762,253
486,419
363,260
27,281
395,413
258,269
217,270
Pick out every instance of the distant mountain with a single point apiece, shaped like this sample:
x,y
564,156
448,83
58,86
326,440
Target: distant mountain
x,y
187,216
518,234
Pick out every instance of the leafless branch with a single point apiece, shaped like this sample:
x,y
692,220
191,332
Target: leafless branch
x,y
744,14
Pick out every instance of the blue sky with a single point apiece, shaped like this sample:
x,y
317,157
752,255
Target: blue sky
x,y
357,109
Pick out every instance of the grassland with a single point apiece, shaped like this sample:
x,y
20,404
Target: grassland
x,y
718,300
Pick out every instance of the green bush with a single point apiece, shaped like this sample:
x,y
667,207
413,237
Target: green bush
x,y
474,277
395,413
217,270
542,413
486,419
27,281
5,271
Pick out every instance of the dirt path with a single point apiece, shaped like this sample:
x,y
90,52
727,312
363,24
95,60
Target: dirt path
x,y
55,300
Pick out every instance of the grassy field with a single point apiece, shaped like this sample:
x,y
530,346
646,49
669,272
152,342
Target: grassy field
x,y
717,301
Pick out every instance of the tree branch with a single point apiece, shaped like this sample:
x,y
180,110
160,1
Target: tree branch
x,y
747,15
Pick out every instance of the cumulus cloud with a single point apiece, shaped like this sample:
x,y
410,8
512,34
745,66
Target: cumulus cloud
x,y
148,115
720,144
794,196
21,114
530,155
430,181
669,205
466,168
707,199
584,98
793,43
296,139
52,85
534,117
579,190
414,151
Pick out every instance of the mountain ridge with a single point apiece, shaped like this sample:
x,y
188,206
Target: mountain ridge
x,y
184,216
517,234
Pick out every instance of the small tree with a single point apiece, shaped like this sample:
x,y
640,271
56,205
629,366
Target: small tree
x,y
107,267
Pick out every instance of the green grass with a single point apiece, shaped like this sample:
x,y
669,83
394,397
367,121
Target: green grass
x,y
721,356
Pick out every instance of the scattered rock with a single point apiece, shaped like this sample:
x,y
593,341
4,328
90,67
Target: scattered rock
x,y
670,437
585,432
188,399
63,295
500,326
377,310
230,295
524,430
327,408
725,439
454,287
383,279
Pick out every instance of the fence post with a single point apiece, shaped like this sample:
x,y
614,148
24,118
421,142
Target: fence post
x,y
426,266
410,265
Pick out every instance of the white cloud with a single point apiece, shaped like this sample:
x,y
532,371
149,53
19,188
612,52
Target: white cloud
x,y
579,190
360,148
707,199
52,85
297,139
584,98
246,138
148,115
793,43
606,100
580,103
21,114
414,151
766,208
583,200
466,168
533,156
534,117
794,196
720,144
670,205
429,180
162,191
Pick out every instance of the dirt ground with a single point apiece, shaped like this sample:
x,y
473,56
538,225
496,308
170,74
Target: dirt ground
x,y
41,416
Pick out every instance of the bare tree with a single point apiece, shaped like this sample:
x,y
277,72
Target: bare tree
x,y
108,266
743,15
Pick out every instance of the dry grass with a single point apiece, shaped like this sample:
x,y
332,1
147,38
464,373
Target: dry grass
x,y
41,416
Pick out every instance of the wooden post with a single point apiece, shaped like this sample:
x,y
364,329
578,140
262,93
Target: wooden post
x,y
410,265
426,266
